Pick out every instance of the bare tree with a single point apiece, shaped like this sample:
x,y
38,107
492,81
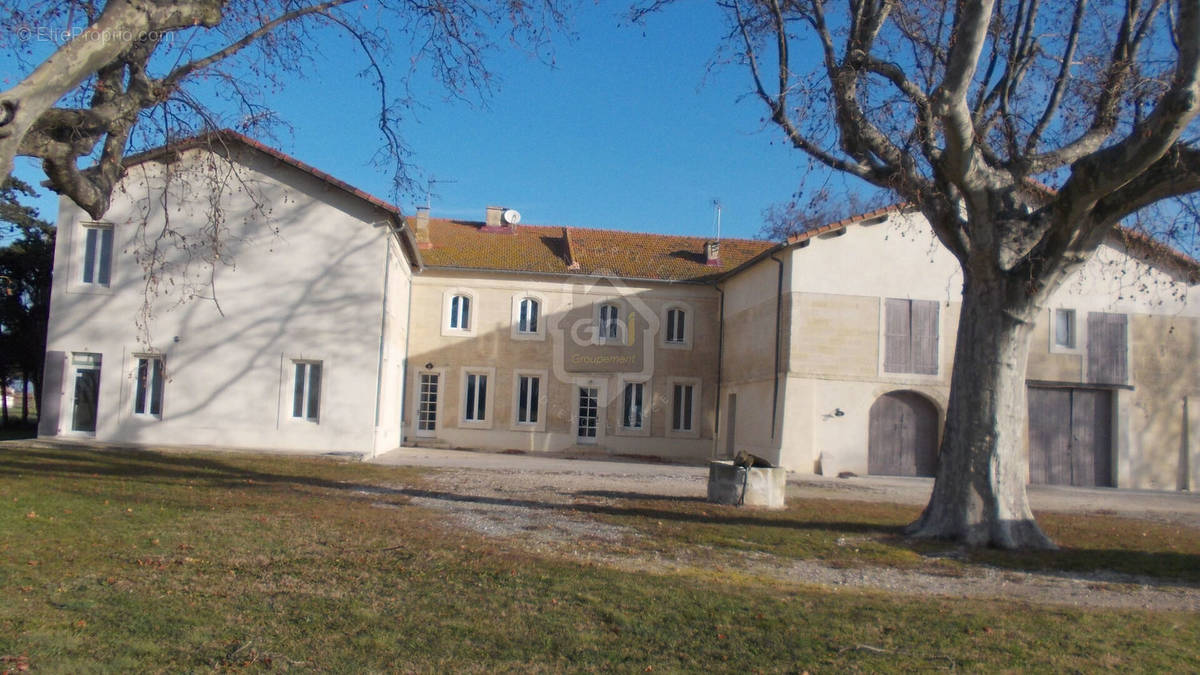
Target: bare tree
x,y
785,219
968,110
157,65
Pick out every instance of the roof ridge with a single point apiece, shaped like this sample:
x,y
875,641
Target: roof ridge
x,y
589,230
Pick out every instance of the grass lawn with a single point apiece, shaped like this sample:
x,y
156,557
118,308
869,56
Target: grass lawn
x,y
128,561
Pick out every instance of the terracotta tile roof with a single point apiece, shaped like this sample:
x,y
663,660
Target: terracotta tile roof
x,y
534,248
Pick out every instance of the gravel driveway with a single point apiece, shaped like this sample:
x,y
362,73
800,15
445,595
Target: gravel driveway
x,y
527,500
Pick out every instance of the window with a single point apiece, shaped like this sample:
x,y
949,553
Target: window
x,y
1064,328
682,408
528,390
609,320
527,315
460,312
148,391
632,410
676,326
306,391
475,398
97,255
911,336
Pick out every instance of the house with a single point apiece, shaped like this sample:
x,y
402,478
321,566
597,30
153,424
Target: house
x,y
327,321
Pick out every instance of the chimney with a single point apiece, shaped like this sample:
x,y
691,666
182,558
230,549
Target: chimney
x,y
712,253
501,219
493,217
421,228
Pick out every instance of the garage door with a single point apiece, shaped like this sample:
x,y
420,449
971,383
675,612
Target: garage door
x,y
1070,437
903,436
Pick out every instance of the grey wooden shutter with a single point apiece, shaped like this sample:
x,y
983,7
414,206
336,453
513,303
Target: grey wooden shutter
x,y
1106,348
897,347
52,390
924,337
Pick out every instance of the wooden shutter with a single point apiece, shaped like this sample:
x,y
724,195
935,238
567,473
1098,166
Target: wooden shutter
x,y
897,348
924,337
52,392
1106,348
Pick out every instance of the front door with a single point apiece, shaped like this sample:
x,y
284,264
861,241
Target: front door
x,y
589,414
427,403
87,392
1070,437
902,438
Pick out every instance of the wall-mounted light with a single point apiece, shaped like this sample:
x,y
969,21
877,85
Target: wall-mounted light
x,y
838,412
176,338
429,366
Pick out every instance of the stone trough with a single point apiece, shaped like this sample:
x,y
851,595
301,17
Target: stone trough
x,y
740,483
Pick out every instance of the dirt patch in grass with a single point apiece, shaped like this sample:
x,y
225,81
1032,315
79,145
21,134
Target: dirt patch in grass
x,y
1105,562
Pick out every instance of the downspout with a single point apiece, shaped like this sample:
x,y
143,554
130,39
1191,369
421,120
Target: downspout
x,y
404,365
720,358
778,322
387,268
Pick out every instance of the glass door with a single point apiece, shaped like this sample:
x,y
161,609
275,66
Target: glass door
x,y
87,392
427,404
589,414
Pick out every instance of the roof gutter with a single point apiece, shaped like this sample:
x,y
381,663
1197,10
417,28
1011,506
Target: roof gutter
x,y
567,275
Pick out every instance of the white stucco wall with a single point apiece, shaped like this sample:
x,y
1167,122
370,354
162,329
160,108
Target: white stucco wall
x,y
300,276
838,283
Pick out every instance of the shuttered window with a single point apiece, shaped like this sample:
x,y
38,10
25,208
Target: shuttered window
x,y
911,336
1107,348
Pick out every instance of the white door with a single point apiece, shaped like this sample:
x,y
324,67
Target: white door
x,y
589,414
427,404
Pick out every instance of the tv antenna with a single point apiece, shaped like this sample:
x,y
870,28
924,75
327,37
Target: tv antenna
x,y
717,216
429,183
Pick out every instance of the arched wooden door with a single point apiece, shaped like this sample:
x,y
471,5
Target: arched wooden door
x,y
903,435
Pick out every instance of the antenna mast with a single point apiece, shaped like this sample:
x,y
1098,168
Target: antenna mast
x,y
717,216
429,183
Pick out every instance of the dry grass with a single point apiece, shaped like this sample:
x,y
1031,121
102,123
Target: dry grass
x,y
129,561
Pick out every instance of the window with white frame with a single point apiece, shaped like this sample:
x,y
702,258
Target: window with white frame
x,y
97,254
609,322
148,389
306,390
528,312
676,329
633,405
528,391
683,408
1064,329
460,313
475,397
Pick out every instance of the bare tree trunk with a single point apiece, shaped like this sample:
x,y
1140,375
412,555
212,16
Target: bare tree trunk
x,y
979,496
24,398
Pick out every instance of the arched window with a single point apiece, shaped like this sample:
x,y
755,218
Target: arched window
x,y
527,315
676,326
460,312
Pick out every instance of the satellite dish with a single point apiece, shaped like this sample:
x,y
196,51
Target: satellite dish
x,y
511,216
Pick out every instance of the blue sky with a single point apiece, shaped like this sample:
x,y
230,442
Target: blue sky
x,y
627,130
